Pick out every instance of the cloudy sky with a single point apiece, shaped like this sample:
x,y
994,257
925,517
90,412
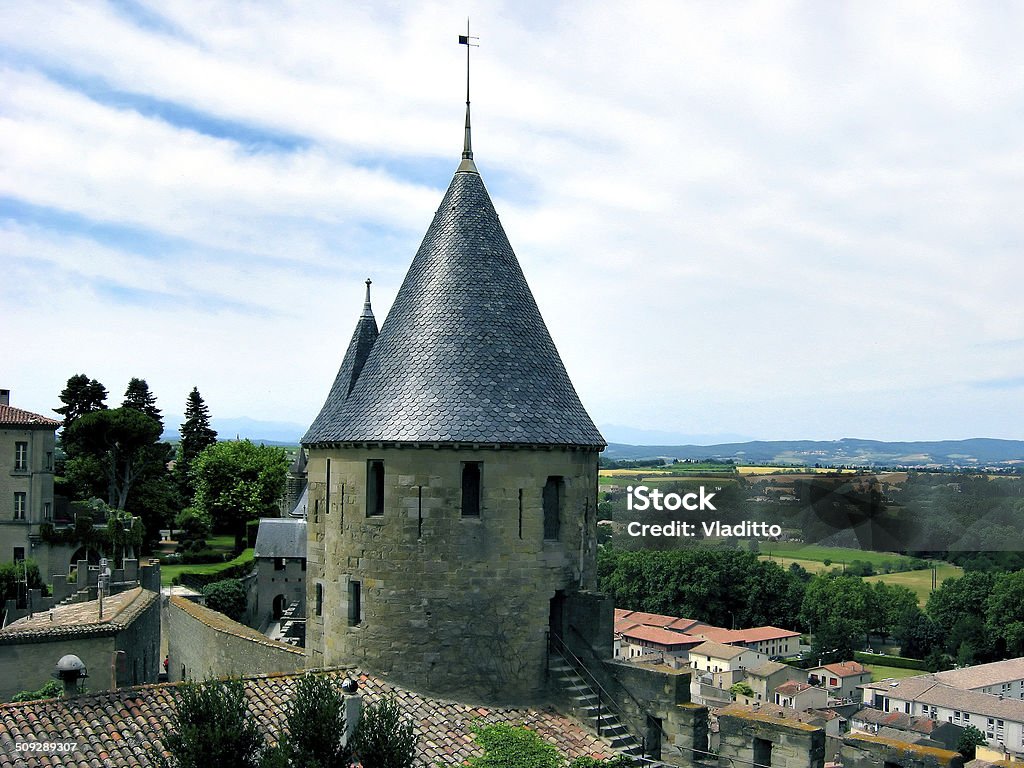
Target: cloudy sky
x,y
772,220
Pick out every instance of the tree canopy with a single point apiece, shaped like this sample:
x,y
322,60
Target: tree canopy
x,y
196,436
81,395
238,481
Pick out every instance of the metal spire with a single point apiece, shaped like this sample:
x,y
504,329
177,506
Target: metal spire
x,y
367,311
467,163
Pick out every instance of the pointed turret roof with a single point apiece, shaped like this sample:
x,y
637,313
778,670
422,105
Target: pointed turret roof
x,y
358,351
464,355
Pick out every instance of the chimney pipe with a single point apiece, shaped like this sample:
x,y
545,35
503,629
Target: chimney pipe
x,y
5,397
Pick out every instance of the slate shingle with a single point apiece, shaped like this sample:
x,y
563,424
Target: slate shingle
x,y
464,355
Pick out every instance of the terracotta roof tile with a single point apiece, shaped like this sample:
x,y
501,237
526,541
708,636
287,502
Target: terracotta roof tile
x,y
80,619
113,729
16,417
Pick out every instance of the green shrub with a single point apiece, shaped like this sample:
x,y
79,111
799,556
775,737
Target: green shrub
x,y
228,597
384,738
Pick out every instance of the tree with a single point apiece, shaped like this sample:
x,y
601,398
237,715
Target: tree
x,y
970,738
384,738
117,443
82,395
316,728
1004,614
196,436
227,596
508,746
236,482
138,396
831,597
211,726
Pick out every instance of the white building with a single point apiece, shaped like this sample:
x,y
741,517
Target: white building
x,y
999,718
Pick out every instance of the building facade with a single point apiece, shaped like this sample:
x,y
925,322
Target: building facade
x,y
452,475
26,487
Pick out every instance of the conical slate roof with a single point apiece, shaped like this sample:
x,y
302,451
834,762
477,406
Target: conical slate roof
x,y
464,355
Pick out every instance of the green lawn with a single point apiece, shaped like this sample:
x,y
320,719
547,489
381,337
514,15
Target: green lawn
x,y
920,582
878,672
168,572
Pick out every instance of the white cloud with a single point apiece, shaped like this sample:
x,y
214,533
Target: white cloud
x,y
778,220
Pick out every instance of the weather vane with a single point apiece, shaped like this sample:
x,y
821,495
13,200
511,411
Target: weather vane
x,y
467,40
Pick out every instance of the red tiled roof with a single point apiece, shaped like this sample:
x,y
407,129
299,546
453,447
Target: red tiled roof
x,y
660,636
114,729
16,417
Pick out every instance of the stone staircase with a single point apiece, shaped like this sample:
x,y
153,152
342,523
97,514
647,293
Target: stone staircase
x,y
587,705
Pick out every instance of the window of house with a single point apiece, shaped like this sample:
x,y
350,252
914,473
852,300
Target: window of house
x,y
471,489
19,505
19,554
47,510
20,457
319,599
278,563
49,461
355,603
554,490
374,488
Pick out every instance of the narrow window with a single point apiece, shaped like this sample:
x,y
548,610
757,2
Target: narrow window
x,y
553,491
20,457
47,510
49,461
419,511
520,513
471,489
355,603
319,599
374,488
327,493
19,505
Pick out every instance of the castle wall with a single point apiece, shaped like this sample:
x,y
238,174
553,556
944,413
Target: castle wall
x,y
448,604
203,643
769,742
863,751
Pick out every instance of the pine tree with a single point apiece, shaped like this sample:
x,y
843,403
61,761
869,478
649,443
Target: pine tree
x,y
81,395
196,435
138,396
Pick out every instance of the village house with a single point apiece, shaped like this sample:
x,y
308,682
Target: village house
x,y
800,696
841,679
1000,719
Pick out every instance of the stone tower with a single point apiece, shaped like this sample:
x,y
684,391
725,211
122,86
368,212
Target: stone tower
x,y
452,475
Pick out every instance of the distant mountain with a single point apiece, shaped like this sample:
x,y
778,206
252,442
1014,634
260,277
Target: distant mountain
x,y
617,433
976,452
270,432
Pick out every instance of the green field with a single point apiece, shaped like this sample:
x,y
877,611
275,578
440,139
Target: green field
x,y
168,572
878,672
837,555
920,582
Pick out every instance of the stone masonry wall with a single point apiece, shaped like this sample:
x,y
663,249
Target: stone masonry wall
x,y
863,751
792,744
203,643
453,605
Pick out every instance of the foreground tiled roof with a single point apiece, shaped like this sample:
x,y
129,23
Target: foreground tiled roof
x,y
16,417
464,355
80,619
115,730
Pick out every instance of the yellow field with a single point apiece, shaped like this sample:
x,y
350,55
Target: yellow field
x,y
814,566
920,582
